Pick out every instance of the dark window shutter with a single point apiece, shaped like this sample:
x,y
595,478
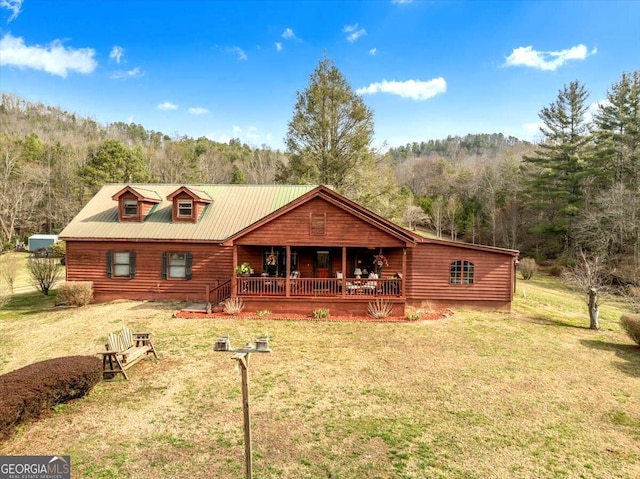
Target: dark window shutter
x,y
109,264
164,265
132,264
188,264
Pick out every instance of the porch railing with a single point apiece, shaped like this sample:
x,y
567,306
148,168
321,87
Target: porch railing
x,y
313,287
220,293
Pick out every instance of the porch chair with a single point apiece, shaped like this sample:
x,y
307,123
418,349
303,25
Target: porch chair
x,y
294,284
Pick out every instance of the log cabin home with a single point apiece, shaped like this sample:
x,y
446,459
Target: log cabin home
x,y
302,247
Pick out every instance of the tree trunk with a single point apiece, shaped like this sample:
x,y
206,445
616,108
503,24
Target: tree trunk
x,y
593,309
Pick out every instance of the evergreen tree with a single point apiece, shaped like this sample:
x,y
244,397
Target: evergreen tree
x,y
618,133
612,226
556,181
113,162
329,137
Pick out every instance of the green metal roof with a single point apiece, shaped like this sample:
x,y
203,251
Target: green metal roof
x,y
234,207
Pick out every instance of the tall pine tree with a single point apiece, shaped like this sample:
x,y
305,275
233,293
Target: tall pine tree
x,y
613,223
559,166
329,137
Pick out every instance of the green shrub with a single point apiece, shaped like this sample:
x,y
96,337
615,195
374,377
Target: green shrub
x,y
33,391
413,314
320,313
58,250
75,293
528,267
631,324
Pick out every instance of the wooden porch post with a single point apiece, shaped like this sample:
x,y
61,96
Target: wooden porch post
x,y
403,285
344,271
234,278
287,279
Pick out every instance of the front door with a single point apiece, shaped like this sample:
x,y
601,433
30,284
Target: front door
x,y
322,264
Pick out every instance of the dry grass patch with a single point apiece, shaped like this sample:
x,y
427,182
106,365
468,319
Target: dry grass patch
x,y
531,393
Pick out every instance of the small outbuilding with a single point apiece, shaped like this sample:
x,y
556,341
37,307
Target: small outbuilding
x,y
41,241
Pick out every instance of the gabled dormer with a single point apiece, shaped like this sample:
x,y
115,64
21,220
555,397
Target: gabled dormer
x,y
134,204
188,204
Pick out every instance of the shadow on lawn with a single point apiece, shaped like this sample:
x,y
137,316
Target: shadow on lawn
x,y
553,322
630,353
30,303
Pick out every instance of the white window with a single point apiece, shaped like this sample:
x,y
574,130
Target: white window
x,y
177,265
130,208
121,264
185,208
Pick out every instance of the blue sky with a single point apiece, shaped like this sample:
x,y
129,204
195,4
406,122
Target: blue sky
x,y
224,69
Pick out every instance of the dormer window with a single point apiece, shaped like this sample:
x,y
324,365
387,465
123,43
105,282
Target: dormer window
x,y
188,204
185,209
135,203
130,208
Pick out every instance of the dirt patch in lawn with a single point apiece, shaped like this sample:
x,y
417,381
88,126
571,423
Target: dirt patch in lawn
x,y
425,316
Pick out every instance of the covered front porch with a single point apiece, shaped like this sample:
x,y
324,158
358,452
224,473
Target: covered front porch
x,y
324,276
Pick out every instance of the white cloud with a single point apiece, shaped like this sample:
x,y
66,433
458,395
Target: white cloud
x,y
124,74
237,129
288,34
242,56
116,53
594,109
373,51
130,119
532,128
167,106
252,133
278,46
401,2
219,139
197,110
14,6
353,32
54,58
550,61
414,89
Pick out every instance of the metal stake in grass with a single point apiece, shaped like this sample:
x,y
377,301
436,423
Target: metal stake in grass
x,y
242,356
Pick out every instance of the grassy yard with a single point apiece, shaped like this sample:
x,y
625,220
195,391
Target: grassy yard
x,y
527,394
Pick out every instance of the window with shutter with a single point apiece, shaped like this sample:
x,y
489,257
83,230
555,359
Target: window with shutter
x,y
121,264
177,265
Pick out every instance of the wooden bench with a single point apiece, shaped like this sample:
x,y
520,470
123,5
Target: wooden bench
x,y
123,350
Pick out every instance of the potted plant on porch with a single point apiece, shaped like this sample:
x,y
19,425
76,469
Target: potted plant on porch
x,y
244,269
379,261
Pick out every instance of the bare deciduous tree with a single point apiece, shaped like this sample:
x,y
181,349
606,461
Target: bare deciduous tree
x,y
588,276
9,269
414,216
44,273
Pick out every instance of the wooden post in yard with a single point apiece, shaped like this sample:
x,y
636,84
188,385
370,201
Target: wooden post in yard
x,y
242,356
243,362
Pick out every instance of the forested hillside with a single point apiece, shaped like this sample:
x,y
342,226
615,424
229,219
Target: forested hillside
x,y
578,189
53,161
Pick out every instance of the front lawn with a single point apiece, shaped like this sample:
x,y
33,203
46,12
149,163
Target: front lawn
x,y
531,393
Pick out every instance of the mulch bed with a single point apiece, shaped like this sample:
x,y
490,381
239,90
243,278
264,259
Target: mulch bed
x,y
425,316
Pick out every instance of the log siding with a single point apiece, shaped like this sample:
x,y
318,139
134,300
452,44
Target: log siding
x,y
210,264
